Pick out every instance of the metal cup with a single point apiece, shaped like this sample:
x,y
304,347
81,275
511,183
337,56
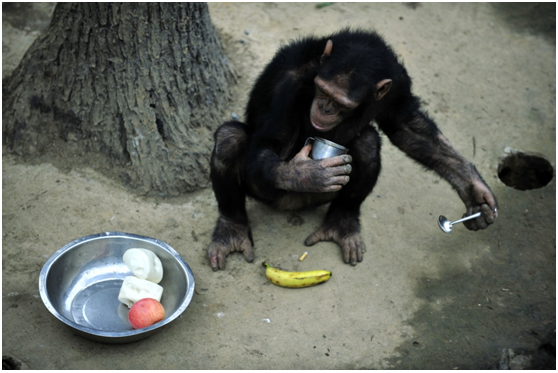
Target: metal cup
x,y
322,148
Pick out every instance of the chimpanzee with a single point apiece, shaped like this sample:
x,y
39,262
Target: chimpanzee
x,y
331,87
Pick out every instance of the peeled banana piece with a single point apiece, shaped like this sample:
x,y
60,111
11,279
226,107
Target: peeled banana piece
x,y
134,289
296,279
144,264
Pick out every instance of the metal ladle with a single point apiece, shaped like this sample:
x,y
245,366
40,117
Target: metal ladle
x,y
446,225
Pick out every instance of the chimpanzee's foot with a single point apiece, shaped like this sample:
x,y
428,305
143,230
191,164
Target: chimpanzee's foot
x,y
229,237
351,243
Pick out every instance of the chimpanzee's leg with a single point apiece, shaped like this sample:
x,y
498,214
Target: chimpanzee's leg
x,y
341,223
232,232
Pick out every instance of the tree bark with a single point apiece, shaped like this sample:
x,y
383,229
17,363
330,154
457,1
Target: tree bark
x,y
144,83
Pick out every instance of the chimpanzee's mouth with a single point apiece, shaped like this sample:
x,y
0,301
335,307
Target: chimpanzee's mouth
x,y
322,128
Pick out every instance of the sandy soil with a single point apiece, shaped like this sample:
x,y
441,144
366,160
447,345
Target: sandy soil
x,y
420,299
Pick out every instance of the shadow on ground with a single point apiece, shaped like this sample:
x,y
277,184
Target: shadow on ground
x,y
537,18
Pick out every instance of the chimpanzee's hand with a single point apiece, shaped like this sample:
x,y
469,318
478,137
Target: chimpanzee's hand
x,y
302,174
477,198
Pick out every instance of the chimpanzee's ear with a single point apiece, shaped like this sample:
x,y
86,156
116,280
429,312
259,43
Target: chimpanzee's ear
x,y
382,88
327,50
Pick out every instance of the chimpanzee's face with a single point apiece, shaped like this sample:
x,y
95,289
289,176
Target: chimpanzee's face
x,y
333,100
331,103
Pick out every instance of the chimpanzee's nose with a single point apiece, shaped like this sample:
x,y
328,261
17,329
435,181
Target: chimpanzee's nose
x,y
327,107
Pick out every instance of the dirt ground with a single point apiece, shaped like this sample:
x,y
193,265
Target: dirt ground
x,y
421,299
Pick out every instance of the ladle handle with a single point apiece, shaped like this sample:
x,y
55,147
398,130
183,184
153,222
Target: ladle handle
x,y
466,218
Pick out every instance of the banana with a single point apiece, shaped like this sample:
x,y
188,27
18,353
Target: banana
x,y
296,279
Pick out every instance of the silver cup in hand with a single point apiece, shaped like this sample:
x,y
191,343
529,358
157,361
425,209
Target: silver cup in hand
x,y
322,148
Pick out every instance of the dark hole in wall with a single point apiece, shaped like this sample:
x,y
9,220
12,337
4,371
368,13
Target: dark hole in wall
x,y
524,172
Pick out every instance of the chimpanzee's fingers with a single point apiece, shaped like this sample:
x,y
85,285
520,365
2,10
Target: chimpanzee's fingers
x,y
221,259
354,249
339,160
483,200
315,237
334,185
360,250
331,189
216,256
492,204
488,207
248,251
346,250
470,224
487,217
341,170
311,240
481,223
212,256
488,214
213,262
304,152
339,180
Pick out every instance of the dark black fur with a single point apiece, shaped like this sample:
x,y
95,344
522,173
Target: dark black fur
x,y
277,115
247,156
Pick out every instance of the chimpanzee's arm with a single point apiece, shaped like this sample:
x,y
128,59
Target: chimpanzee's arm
x,y
412,131
269,177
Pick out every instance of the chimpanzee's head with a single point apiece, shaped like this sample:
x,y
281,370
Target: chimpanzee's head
x,y
349,77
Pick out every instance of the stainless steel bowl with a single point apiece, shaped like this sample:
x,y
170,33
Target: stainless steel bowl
x,y
80,283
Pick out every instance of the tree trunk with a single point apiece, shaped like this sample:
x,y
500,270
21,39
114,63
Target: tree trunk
x,y
144,83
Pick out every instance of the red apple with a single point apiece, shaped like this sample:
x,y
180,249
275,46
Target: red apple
x,y
145,312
